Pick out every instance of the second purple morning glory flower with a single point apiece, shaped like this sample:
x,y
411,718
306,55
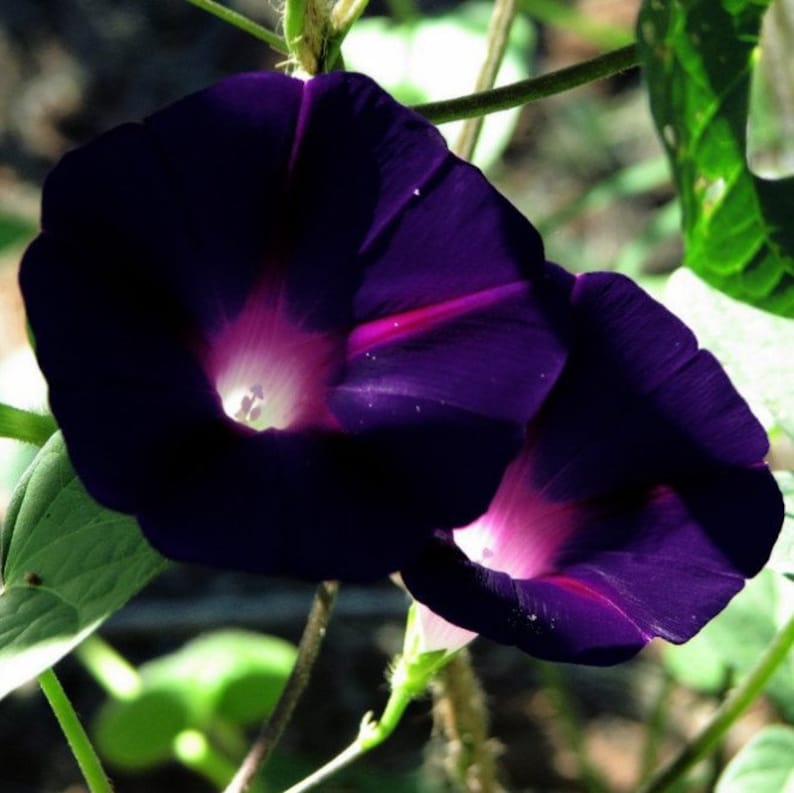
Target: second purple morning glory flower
x,y
636,509
286,329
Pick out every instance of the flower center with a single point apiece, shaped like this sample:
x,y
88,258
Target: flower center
x,y
250,406
269,372
521,533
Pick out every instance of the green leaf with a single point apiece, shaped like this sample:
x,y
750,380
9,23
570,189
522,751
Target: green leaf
x,y
67,564
439,57
140,733
764,765
25,425
752,345
225,677
698,57
714,656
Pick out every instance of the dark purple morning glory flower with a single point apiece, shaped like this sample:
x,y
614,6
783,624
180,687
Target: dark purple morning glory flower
x,y
637,507
286,329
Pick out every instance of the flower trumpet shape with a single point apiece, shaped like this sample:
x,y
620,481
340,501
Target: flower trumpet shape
x,y
637,507
286,329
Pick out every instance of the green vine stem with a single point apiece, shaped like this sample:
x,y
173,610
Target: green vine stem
x,y
371,733
526,91
308,649
117,676
193,750
245,24
25,425
409,676
504,12
82,749
736,703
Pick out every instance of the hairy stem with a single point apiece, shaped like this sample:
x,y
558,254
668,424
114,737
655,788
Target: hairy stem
x,y
461,718
82,748
308,649
504,13
526,91
730,710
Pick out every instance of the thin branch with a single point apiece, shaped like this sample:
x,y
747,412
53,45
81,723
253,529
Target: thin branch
x,y
342,760
730,710
504,13
245,24
526,91
309,647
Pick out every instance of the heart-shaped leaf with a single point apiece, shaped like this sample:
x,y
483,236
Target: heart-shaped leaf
x,y
67,564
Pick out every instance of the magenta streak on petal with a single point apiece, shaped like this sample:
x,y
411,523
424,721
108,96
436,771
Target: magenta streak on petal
x,y
300,128
270,373
419,320
583,590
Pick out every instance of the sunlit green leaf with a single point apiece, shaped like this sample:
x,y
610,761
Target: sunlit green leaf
x,y
698,57
765,765
67,564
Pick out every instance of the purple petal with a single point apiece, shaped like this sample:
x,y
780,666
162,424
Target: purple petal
x,y
124,390
548,621
636,509
310,505
496,356
412,224
187,203
633,568
638,402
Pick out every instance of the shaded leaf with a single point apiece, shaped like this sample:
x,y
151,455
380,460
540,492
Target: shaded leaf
x,y
67,564
698,57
